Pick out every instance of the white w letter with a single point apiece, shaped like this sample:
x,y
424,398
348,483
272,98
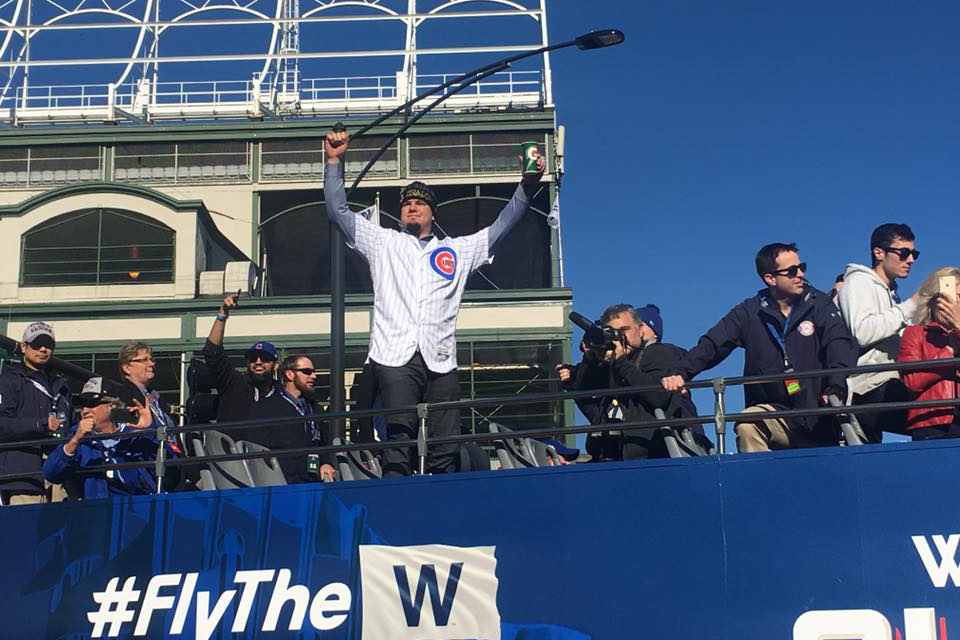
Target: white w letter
x,y
948,563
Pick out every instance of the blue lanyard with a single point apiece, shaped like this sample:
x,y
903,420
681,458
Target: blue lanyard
x,y
778,337
301,406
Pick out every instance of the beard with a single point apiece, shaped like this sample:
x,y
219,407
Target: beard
x,y
259,378
413,228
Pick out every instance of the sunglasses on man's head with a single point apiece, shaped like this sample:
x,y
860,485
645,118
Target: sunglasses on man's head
x,y
902,252
791,271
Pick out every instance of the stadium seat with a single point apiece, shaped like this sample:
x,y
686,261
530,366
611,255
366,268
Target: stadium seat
x,y
679,440
513,452
206,476
357,465
231,474
850,429
265,472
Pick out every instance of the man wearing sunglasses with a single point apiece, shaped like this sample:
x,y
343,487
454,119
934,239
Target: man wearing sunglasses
x,y
238,392
34,403
99,416
787,327
876,317
293,399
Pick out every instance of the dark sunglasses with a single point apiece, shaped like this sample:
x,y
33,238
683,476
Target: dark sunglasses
x,y
91,404
307,371
261,358
39,344
902,252
791,271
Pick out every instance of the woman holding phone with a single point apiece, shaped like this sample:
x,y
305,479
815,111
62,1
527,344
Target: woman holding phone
x,y
934,337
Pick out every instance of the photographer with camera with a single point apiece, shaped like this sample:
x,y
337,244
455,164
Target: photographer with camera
x,y
104,414
624,349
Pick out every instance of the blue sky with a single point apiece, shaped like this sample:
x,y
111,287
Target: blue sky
x,y
716,128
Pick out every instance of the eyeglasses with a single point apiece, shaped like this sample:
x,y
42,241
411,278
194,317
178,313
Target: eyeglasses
x,y
902,252
307,371
264,359
791,271
36,346
147,359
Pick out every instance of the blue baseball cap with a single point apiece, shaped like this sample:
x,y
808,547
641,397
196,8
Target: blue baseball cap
x,y
650,314
265,350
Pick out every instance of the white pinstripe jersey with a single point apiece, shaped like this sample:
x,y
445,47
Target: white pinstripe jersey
x,y
417,292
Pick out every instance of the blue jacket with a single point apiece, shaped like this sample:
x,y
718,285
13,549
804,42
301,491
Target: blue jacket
x,y
61,468
26,399
813,337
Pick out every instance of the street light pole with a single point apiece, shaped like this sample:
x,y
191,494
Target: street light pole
x,y
592,40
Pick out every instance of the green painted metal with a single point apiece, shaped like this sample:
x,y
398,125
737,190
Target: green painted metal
x,y
254,130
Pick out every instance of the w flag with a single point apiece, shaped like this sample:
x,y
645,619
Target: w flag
x,y
369,212
429,592
553,218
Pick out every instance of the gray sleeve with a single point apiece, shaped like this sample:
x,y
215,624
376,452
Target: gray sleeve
x,y
510,216
335,199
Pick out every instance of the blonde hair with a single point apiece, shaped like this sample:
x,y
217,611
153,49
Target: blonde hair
x,y
128,352
929,290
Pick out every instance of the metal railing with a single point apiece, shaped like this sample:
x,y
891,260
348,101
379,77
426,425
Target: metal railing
x,y
719,418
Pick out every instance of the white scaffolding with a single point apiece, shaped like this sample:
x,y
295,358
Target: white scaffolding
x,y
181,60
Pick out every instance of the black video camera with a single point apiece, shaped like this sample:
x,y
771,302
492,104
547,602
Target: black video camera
x,y
597,337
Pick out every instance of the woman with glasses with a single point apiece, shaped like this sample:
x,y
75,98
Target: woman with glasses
x,y
935,337
138,369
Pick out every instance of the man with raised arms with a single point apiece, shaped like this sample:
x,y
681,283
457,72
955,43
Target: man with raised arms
x,y
418,282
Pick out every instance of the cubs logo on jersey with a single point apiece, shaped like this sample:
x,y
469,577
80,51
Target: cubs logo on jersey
x,y
444,262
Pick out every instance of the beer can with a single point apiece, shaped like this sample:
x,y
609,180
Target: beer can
x,y
61,418
313,464
529,153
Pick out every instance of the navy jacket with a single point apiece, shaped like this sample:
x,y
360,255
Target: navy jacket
x,y
291,436
60,468
26,399
814,336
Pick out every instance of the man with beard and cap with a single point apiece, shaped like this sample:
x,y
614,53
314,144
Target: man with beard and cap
x,y
418,282
297,377
34,404
239,392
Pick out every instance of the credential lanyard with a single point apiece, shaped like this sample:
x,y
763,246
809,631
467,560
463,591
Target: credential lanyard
x,y
301,410
54,400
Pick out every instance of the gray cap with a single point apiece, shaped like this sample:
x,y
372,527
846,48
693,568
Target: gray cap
x,y
36,330
95,389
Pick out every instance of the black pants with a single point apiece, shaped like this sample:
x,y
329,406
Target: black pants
x,y
626,446
874,424
409,384
937,432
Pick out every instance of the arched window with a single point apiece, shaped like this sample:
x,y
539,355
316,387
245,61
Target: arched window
x,y
97,246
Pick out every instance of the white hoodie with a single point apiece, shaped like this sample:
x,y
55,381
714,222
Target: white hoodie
x,y
876,318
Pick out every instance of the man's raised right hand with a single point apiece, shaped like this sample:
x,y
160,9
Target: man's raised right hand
x,y
229,303
335,144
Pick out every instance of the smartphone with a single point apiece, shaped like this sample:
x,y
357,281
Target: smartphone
x,y
948,287
126,416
